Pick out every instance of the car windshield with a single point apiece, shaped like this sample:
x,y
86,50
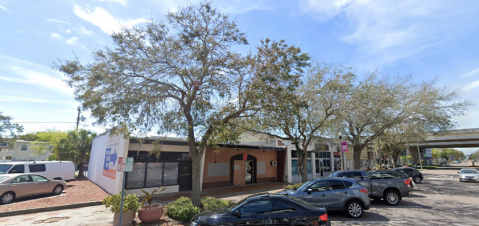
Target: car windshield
x,y
469,171
4,168
305,185
302,202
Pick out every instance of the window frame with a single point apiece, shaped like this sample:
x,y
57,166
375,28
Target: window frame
x,y
143,157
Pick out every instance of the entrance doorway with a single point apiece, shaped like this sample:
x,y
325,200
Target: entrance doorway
x,y
249,172
243,169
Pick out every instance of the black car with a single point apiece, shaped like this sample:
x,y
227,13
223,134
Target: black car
x,y
411,172
265,209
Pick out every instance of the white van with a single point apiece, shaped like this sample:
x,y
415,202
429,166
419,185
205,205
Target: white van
x,y
61,170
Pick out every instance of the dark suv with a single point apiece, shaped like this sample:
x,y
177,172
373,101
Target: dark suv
x,y
411,172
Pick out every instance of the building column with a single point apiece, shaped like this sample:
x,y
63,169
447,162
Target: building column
x,y
202,168
313,165
289,174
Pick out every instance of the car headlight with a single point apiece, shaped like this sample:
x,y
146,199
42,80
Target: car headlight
x,y
194,224
461,176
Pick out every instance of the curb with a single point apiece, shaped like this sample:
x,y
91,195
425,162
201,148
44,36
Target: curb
x,y
50,208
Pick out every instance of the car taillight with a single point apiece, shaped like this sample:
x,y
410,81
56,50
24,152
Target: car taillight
x,y
365,190
408,181
324,217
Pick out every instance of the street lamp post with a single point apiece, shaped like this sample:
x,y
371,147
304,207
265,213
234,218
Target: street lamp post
x,y
341,150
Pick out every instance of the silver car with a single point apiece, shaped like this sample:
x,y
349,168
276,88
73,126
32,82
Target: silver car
x,y
334,194
468,175
13,186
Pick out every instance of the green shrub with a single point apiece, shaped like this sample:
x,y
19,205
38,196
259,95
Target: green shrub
x,y
182,209
213,203
113,202
293,186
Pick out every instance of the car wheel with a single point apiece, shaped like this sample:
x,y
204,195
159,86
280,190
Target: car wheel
x,y
391,197
57,190
354,209
7,197
417,180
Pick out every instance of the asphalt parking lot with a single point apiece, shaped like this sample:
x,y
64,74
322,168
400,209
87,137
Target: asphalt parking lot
x,y
439,200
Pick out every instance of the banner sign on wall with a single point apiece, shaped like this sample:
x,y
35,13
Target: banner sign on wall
x,y
344,146
111,157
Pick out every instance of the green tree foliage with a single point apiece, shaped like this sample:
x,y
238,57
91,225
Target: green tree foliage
x,y
182,77
302,113
383,102
28,137
72,146
7,128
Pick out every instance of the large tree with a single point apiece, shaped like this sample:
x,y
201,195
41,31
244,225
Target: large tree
x,y
7,128
182,77
304,114
381,102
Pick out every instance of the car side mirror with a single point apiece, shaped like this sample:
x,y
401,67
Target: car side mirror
x,y
237,213
309,190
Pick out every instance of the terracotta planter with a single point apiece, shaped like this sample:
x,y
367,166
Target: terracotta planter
x,y
151,215
127,218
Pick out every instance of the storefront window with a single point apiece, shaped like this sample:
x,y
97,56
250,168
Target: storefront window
x,y
136,178
171,173
294,167
154,174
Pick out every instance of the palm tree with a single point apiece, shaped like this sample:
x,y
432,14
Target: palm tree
x,y
76,146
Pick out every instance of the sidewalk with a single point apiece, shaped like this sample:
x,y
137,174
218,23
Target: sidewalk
x,y
100,216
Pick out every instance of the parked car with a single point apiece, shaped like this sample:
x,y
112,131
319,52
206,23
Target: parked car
x,y
58,170
334,194
14,186
415,174
390,174
379,186
265,209
468,175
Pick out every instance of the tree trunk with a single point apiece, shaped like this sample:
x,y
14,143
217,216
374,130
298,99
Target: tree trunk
x,y
357,156
304,162
196,177
80,170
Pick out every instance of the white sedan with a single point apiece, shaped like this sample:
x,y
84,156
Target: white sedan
x,y
468,175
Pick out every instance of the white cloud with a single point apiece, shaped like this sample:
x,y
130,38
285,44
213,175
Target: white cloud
x,y
58,21
71,40
471,86
390,29
105,20
229,6
33,100
473,72
20,71
4,8
56,36
85,31
122,2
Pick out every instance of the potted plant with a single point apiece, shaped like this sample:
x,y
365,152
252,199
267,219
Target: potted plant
x,y
131,204
149,212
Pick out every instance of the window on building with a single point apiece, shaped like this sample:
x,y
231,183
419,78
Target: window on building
x,y
23,147
37,168
4,144
154,174
136,178
150,171
294,167
170,176
323,155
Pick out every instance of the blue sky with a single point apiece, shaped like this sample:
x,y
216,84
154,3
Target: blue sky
x,y
427,39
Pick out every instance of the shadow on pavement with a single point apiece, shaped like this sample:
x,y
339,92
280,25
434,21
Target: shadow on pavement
x,y
367,216
402,204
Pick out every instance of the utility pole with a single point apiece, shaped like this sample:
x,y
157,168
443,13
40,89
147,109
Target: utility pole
x,y
78,118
